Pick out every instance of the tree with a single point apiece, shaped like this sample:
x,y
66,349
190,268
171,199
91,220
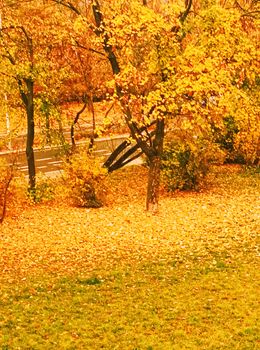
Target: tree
x,y
195,69
10,34
170,67
27,40
133,41
86,85
227,51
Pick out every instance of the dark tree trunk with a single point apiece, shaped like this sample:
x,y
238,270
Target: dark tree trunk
x,y
72,131
30,134
130,155
3,196
153,187
92,110
26,89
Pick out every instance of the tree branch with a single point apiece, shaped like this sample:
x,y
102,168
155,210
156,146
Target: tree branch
x,y
184,15
22,93
72,136
107,47
251,14
88,48
69,5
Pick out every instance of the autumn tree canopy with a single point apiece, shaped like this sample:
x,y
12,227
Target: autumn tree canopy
x,y
175,65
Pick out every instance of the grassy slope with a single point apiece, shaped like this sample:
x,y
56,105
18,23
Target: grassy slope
x,y
120,278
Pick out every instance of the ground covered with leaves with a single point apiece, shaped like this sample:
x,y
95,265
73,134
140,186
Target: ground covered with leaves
x,y
120,278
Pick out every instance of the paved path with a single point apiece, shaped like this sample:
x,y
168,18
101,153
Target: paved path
x,y
48,160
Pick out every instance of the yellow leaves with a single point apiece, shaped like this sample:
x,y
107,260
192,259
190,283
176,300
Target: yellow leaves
x,y
217,19
68,240
136,23
80,24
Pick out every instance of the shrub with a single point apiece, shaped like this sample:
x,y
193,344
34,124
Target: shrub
x,y
247,147
185,164
44,190
239,138
85,179
226,137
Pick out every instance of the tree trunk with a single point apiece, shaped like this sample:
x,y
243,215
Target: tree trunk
x,y
72,131
153,187
3,195
92,110
30,135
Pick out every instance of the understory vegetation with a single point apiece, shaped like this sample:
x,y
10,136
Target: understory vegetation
x,y
118,277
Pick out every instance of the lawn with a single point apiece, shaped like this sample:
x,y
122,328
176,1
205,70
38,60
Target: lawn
x,y
120,278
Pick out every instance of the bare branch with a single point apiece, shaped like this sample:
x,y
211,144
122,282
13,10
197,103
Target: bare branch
x,y
101,31
28,39
9,57
88,48
69,5
72,136
97,13
186,12
251,14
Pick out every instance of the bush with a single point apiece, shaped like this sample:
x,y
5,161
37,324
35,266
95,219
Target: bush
x,y
239,139
226,139
185,164
247,147
44,190
85,179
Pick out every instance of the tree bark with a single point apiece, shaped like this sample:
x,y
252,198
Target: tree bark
x,y
30,135
92,110
26,89
4,196
72,131
125,158
153,186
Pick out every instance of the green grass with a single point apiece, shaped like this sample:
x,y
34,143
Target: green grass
x,y
159,305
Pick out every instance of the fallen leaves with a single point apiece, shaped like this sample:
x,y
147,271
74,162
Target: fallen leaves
x,y
65,240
